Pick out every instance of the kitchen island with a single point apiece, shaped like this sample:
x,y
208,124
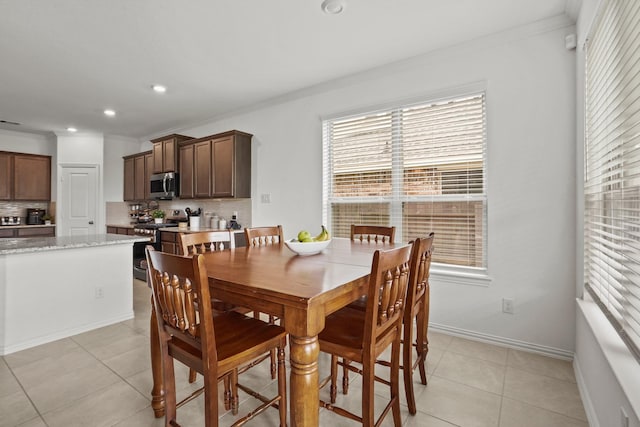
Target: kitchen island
x,y
55,287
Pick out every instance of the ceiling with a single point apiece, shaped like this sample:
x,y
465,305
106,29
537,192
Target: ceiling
x,y
63,62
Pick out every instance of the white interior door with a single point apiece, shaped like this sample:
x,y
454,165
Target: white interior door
x,y
79,195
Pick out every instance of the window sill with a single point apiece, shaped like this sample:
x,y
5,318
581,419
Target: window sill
x,y
458,277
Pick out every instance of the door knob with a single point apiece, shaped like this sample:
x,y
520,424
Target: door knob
x,y
91,222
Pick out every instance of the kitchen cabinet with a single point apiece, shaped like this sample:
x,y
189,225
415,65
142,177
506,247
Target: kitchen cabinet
x,y
216,166
137,173
169,242
25,177
127,231
5,176
165,152
186,171
28,232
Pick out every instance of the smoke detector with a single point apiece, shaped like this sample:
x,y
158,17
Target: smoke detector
x,y
333,7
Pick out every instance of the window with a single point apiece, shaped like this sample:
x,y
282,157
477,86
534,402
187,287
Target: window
x,y
612,167
419,167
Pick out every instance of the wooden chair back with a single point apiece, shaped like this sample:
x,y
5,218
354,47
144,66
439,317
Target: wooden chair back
x,y
375,233
261,236
388,284
419,276
206,241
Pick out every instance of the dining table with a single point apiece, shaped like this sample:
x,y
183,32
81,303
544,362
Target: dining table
x,y
300,290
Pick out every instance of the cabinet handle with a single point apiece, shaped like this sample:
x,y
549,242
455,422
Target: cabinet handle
x,y
91,222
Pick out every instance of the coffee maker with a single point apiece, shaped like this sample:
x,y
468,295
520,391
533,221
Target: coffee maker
x,y
34,216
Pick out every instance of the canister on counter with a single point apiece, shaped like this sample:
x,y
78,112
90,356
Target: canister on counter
x,y
222,224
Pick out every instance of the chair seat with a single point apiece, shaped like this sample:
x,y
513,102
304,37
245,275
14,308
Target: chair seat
x,y
344,328
255,334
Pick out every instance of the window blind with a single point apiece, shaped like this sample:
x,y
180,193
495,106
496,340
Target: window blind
x,y
419,167
612,167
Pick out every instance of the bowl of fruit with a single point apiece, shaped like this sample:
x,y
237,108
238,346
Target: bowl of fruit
x,y
306,244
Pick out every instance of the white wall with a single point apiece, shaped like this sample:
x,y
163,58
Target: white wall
x,y
608,374
529,78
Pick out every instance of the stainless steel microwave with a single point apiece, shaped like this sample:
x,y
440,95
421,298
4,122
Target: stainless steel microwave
x,y
164,186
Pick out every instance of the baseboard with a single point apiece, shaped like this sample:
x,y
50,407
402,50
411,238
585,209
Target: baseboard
x,y
5,350
504,342
589,409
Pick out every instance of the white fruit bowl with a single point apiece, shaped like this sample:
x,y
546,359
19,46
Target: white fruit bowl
x,y
306,248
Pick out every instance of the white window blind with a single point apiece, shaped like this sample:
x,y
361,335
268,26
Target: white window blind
x,y
419,167
612,166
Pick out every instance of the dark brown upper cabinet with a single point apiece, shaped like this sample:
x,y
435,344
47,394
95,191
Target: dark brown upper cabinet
x,y
137,176
165,153
25,177
216,166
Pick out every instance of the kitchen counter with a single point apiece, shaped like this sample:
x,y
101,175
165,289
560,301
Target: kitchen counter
x,y
66,286
41,244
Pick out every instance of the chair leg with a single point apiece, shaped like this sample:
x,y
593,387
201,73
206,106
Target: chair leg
x,y
210,400
169,387
282,384
395,382
234,391
407,365
345,376
368,383
422,343
227,393
273,357
192,376
333,390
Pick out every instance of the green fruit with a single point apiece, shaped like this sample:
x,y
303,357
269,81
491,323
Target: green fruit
x,y
303,236
308,239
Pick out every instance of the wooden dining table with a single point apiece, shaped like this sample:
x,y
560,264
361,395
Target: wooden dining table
x,y
300,290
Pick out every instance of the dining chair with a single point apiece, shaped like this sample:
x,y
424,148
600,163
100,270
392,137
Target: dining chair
x,y
261,236
362,336
375,233
216,347
416,317
204,242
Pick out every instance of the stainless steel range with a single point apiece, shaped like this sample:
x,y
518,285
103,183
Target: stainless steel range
x,y
150,230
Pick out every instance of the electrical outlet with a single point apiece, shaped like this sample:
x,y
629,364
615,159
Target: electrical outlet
x,y
99,293
507,305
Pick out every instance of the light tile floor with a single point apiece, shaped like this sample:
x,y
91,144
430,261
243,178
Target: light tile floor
x,y
103,378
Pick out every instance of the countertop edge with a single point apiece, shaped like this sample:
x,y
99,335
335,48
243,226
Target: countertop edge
x,y
9,246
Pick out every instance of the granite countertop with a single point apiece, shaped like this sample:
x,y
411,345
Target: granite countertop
x,y
26,226
41,244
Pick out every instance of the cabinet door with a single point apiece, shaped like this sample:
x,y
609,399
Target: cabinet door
x,y
5,176
40,231
186,172
223,167
32,177
202,169
148,170
158,158
129,179
139,177
169,151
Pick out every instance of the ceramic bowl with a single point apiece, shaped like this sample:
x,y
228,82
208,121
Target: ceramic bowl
x,y
306,248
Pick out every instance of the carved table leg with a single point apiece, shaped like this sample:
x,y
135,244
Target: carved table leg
x,y
304,381
157,392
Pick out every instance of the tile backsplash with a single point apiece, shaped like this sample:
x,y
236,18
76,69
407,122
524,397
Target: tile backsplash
x,y
16,208
118,212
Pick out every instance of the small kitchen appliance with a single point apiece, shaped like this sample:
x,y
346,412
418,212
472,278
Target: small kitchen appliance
x,y
34,216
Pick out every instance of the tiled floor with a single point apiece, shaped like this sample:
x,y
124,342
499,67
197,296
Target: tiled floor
x,y
103,378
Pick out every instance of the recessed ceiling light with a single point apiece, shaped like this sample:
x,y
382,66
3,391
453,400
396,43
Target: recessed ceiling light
x,y
72,129
333,7
159,88
109,113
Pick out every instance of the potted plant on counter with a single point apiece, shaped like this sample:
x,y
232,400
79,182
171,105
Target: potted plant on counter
x,y
158,216
47,219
